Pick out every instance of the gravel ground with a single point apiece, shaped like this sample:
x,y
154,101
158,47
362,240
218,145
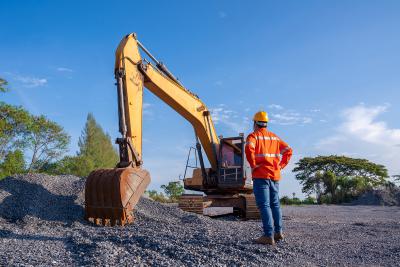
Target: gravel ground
x,y
41,224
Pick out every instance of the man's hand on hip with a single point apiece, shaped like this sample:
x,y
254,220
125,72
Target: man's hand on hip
x,y
252,169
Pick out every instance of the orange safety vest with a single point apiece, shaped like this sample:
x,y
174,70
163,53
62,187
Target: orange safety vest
x,y
263,151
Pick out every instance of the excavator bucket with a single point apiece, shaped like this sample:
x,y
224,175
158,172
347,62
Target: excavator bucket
x,y
111,194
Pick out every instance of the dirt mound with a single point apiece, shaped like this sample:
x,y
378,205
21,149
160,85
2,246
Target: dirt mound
x,y
385,196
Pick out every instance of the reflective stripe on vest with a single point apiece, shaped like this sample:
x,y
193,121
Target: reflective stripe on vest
x,y
250,144
267,138
267,155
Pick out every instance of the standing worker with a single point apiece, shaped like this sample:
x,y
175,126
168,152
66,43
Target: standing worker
x,y
263,152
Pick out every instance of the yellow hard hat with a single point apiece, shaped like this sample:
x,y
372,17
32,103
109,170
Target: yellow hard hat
x,y
261,116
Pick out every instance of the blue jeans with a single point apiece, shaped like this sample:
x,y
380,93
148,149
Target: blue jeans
x,y
266,192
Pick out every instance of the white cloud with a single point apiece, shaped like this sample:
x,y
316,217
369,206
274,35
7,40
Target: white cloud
x,y
234,120
30,81
63,69
280,116
361,121
230,118
289,118
275,106
362,134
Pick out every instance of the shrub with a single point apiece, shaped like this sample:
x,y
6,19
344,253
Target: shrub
x,y
173,190
156,196
309,201
13,163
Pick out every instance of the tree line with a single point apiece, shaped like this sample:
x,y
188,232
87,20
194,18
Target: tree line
x,y
33,143
30,143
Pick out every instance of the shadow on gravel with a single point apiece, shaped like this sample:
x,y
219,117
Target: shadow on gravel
x,y
9,234
76,248
32,199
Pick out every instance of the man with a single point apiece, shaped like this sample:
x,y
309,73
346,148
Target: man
x,y
263,151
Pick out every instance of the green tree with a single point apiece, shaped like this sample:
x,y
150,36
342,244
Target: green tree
x,y
47,141
309,201
19,130
14,122
95,149
76,165
156,196
3,85
80,166
173,190
285,200
337,178
13,163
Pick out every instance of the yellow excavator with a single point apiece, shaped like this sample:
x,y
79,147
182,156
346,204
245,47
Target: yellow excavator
x,y
111,194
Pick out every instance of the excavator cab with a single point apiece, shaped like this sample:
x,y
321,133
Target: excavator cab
x,y
231,175
231,163
228,189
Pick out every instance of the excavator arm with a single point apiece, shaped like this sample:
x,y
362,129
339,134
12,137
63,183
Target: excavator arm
x,y
132,74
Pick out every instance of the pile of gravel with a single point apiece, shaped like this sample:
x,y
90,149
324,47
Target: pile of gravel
x,y
50,198
384,196
41,224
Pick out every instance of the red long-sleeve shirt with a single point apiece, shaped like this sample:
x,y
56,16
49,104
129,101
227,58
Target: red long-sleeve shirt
x,y
267,154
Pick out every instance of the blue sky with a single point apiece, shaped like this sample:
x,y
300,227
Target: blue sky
x,y
326,71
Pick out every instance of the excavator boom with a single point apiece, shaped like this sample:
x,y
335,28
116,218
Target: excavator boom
x,y
137,73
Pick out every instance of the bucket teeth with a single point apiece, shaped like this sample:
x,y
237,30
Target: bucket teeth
x,y
111,195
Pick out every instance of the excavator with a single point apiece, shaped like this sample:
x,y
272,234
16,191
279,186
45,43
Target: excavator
x,y
112,194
